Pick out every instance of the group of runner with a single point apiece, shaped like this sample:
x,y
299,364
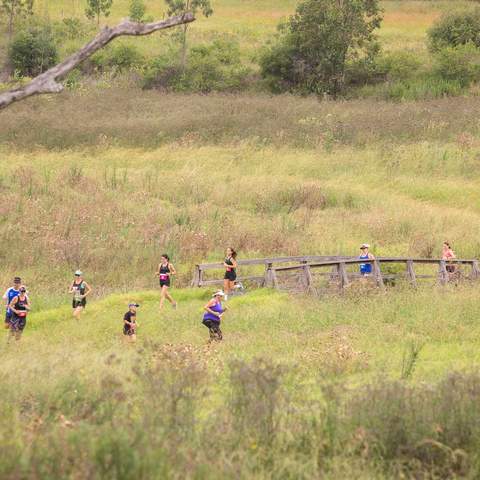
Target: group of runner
x,y
18,304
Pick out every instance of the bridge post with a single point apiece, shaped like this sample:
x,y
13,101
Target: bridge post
x,y
342,274
309,279
268,280
378,274
475,270
196,277
442,272
412,278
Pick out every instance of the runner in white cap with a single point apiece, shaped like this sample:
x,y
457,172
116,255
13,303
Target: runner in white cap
x,y
366,268
80,289
213,316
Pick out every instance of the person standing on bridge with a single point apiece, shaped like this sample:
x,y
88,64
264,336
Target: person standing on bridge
x,y
212,317
230,265
164,272
447,255
366,268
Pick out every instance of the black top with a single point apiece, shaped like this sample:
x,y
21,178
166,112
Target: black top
x,y
164,269
129,317
21,305
228,261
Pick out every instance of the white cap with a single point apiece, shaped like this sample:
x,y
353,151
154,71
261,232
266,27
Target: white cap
x,y
78,272
218,293
365,245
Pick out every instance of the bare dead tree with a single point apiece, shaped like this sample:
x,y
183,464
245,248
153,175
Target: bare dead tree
x,y
47,82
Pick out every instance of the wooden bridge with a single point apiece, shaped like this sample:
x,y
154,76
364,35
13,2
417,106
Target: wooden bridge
x,y
316,274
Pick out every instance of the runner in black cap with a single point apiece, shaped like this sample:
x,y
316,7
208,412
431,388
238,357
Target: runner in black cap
x,y
130,322
9,295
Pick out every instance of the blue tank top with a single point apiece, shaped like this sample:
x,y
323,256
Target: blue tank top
x,y
365,267
11,294
216,308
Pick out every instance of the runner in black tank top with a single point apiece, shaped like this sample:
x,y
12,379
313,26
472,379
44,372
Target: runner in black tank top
x,y
230,265
20,305
164,272
80,289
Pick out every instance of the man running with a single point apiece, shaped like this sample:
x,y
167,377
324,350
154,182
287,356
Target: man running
x,y
130,322
9,295
20,306
213,316
80,289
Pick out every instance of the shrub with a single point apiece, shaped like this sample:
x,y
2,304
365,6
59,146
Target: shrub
x,y
70,28
119,57
213,67
33,51
318,41
137,10
399,65
460,64
457,28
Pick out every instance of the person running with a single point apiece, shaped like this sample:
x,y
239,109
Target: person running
x,y
80,289
9,295
230,265
20,306
447,255
164,272
366,268
213,315
130,322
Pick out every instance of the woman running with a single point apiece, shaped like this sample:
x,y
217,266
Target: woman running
x,y
80,289
19,306
213,316
365,268
447,255
130,322
230,265
164,272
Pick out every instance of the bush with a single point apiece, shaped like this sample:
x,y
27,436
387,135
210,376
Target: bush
x,y
71,28
33,51
137,10
455,29
461,64
120,57
213,67
399,65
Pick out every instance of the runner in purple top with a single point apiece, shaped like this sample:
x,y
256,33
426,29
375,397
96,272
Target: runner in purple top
x,y
213,316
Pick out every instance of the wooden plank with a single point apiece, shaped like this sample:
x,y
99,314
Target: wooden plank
x,y
196,277
309,279
268,282
342,273
239,279
378,274
475,270
274,279
412,278
442,272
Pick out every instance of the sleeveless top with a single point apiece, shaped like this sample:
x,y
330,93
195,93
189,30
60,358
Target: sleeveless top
x,y
164,269
21,306
365,267
78,290
216,308
228,261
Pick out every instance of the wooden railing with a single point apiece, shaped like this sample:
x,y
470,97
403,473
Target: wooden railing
x,y
199,279
339,271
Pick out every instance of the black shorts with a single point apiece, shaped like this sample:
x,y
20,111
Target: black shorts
x,y
165,283
8,317
230,275
212,324
450,268
17,323
128,331
79,303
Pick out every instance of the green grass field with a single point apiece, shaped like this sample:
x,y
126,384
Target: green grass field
x,y
107,177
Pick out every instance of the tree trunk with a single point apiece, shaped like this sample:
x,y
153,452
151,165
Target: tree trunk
x,y
47,81
184,48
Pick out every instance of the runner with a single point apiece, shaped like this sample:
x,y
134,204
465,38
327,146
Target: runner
x,y
230,265
448,254
213,315
80,289
9,295
20,305
366,268
130,322
164,272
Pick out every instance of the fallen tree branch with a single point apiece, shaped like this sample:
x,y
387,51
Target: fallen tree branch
x,y
47,82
